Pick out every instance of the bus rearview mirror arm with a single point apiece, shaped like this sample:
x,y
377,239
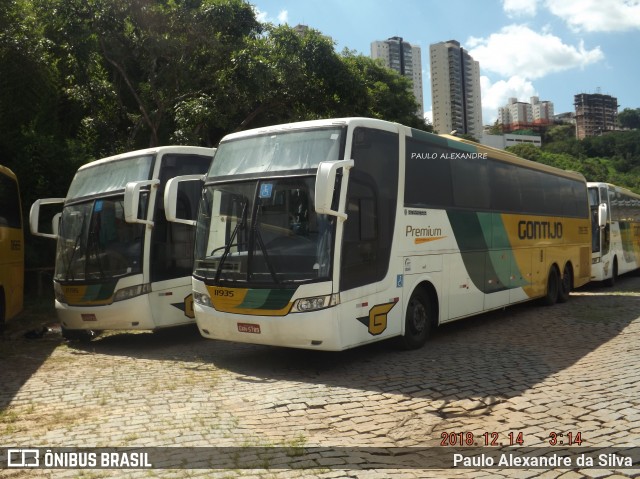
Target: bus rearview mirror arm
x,y
171,198
34,217
325,185
602,215
132,200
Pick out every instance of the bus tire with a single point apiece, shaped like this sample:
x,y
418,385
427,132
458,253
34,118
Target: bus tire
x,y
553,288
614,274
419,320
82,335
566,283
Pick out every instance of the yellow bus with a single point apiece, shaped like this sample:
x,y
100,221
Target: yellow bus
x,y
336,233
11,247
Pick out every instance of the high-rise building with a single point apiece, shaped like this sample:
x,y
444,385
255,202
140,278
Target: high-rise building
x,y
404,58
595,114
455,89
519,115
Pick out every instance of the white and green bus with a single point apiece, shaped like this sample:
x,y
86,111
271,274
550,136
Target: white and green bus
x,y
616,231
335,233
119,263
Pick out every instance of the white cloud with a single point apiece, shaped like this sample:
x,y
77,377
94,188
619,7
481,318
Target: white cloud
x,y
260,15
263,17
496,95
517,8
283,16
597,15
519,50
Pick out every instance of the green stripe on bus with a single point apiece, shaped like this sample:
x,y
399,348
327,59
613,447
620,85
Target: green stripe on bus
x,y
99,292
275,299
485,250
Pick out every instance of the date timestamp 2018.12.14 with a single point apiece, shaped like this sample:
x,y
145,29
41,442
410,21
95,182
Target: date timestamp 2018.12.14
x,y
458,439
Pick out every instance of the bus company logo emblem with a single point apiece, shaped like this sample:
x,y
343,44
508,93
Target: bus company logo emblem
x,y
376,322
423,235
23,458
188,307
539,230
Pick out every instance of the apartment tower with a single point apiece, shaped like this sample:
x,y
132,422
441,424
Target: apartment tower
x,y
455,89
519,115
404,58
595,114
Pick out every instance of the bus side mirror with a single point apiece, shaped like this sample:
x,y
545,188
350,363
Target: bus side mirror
x,y
325,186
34,217
602,215
171,198
132,201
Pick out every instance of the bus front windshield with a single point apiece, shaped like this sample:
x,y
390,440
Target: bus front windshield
x,y
94,241
262,229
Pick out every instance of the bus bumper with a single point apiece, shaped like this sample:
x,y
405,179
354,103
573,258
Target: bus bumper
x,y
134,313
312,330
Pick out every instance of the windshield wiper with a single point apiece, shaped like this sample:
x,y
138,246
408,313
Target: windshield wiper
x,y
234,233
73,252
254,237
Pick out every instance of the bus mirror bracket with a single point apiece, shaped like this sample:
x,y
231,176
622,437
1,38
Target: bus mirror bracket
x,y
602,215
132,200
34,217
325,185
171,198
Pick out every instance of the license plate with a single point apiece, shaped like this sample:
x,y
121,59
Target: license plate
x,y
249,328
89,317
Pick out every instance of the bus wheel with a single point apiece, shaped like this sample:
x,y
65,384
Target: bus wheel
x,y
614,274
553,288
82,335
565,284
418,321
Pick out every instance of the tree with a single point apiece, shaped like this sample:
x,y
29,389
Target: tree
x,y
629,118
139,68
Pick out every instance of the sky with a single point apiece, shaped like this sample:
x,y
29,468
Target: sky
x,y
552,49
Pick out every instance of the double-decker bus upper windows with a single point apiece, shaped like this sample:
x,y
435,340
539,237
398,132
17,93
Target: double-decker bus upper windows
x,y
9,203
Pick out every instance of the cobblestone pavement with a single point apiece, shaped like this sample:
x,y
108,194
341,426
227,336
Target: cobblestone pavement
x,y
571,368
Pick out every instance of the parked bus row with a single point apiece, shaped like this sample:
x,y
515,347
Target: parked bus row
x,y
327,235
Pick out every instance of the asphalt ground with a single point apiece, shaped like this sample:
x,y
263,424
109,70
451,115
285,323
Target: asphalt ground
x,y
528,377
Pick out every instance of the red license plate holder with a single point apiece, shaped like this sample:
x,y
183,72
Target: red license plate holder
x,y
249,328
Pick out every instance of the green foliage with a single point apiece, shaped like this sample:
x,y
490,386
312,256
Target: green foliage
x,y
613,158
629,118
84,79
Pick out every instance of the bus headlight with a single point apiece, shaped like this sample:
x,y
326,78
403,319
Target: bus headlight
x,y
303,305
202,299
131,292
